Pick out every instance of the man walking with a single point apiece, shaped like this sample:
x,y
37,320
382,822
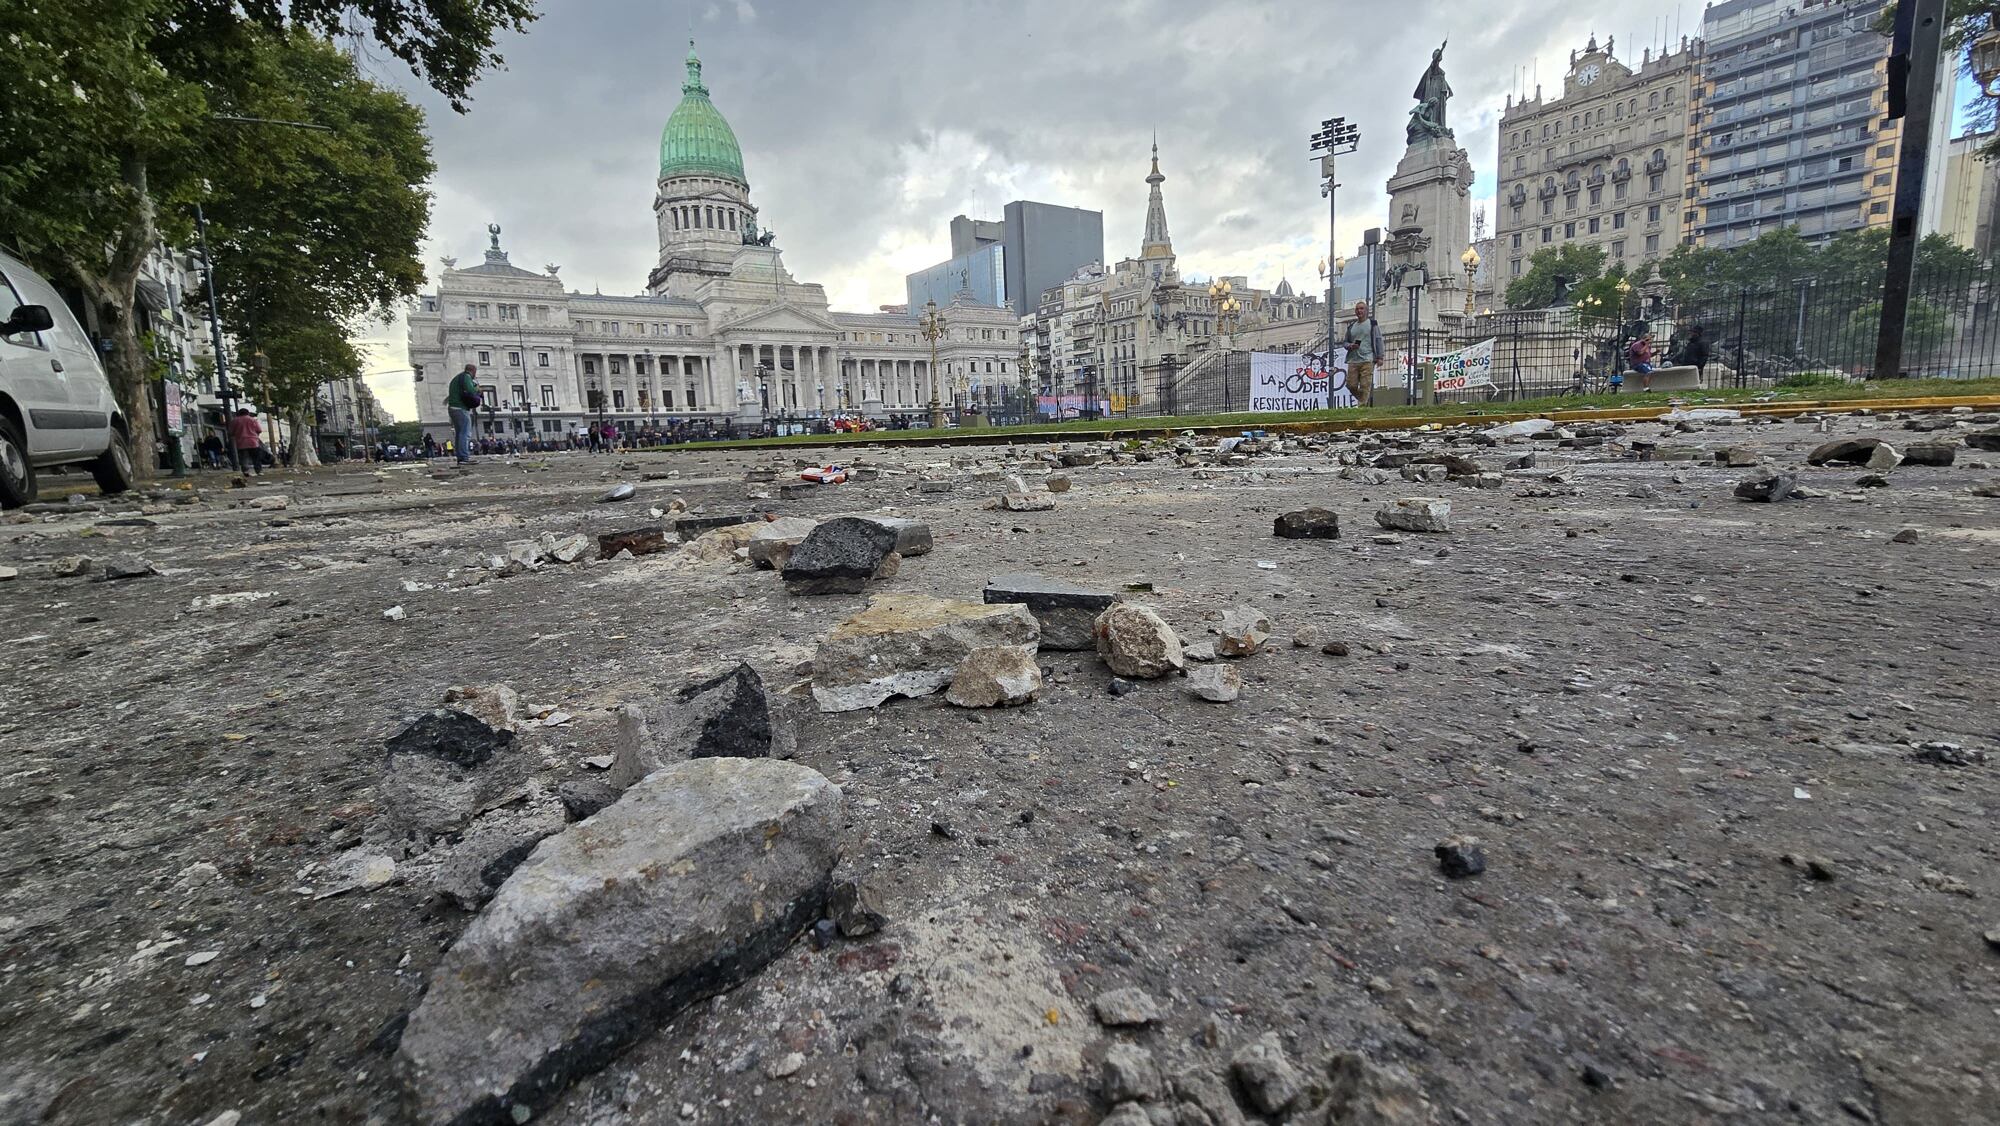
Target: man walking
x,y
461,399
1364,349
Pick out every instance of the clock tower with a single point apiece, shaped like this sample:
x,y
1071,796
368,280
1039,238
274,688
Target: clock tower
x,y
1603,164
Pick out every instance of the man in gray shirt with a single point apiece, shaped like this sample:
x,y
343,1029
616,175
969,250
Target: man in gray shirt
x,y
1364,348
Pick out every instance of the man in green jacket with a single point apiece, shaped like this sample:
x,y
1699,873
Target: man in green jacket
x,y
461,399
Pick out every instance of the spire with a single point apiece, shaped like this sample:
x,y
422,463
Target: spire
x,y
693,84
1158,244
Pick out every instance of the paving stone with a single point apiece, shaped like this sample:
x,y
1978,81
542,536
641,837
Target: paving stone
x,y
1066,611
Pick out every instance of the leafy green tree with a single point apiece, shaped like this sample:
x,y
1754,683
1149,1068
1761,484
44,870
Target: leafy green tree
x,y
1926,329
318,229
108,136
1536,288
298,360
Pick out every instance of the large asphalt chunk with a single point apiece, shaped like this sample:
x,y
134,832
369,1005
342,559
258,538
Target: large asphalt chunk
x,y
1066,612
727,716
839,556
444,768
692,881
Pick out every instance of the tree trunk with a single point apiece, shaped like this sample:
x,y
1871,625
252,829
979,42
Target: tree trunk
x,y
305,451
112,285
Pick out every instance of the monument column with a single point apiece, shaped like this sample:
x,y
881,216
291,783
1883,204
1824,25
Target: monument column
x,y
1430,226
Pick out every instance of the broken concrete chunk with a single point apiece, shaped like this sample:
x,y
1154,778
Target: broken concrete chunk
x,y
1242,631
772,543
913,537
909,645
1135,641
120,567
696,878
838,557
1131,1075
1122,1008
1766,487
727,716
495,705
564,549
1038,501
638,541
998,676
1265,1074
444,768
619,492
1066,612
494,845
1934,454
1846,451
1219,684
1360,1093
1416,514
1307,524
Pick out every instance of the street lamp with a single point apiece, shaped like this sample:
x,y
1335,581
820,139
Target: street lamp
x,y
1986,61
932,325
1336,137
1470,259
1226,306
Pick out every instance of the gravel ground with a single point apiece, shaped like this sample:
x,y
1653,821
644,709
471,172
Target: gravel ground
x,y
1640,705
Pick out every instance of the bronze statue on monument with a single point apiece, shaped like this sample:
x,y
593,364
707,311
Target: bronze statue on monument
x,y
1427,118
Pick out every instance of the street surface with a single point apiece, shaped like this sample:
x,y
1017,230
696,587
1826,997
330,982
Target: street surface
x,y
1729,874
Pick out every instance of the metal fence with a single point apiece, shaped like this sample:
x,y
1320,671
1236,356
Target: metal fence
x,y
1820,329
1815,330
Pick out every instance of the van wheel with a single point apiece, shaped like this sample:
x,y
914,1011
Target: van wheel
x,y
113,467
17,473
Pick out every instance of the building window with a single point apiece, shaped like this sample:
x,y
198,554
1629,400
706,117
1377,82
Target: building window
x,y
1653,213
1879,207
1655,182
639,365
1548,234
1618,191
1548,208
618,398
589,367
1593,225
513,359
1517,240
548,397
541,359
520,391
1517,213
617,366
509,312
490,394
1569,230
1596,196
485,357
1618,249
1652,244
1618,221
1517,267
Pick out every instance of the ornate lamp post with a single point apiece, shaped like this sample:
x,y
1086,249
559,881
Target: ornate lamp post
x,y
1986,62
1226,306
932,325
1470,260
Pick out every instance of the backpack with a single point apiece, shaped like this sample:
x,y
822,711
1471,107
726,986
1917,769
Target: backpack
x,y
465,394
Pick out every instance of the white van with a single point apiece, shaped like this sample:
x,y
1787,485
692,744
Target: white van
x,y
56,406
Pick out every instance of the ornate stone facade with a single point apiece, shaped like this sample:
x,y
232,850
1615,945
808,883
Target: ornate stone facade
x,y
723,335
1604,164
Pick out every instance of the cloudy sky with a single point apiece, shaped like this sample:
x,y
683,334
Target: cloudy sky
x,y
867,124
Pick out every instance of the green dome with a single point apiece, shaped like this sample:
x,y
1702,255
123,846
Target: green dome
x,y
697,141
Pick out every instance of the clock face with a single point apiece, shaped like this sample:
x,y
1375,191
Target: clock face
x,y
1588,74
